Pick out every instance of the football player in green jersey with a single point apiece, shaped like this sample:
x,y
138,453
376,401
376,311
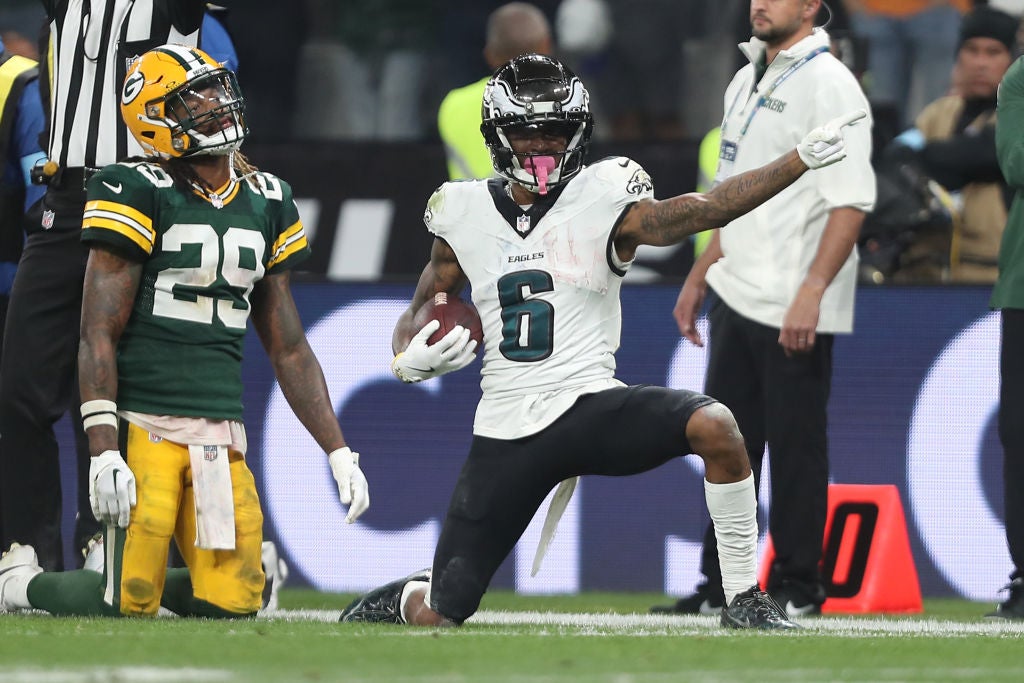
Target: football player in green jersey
x,y
184,244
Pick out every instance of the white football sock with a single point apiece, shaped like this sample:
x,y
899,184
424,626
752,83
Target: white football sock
x,y
733,509
15,594
407,590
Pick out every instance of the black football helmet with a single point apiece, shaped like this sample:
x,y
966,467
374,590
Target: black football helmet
x,y
537,92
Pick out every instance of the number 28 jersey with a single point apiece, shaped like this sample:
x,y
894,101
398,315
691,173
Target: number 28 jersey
x,y
546,283
181,351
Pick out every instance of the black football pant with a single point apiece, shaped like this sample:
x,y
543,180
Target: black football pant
x,y
1011,431
781,401
38,384
616,432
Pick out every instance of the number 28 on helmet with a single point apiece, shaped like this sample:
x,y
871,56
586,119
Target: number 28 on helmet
x,y
178,101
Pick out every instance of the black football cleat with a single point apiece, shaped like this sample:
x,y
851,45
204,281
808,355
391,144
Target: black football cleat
x,y
1013,606
382,605
753,608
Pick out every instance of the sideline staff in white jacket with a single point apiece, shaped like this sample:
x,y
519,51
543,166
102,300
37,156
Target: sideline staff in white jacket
x,y
785,276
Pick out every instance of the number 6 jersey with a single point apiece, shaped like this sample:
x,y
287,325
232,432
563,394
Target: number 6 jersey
x,y
546,283
181,351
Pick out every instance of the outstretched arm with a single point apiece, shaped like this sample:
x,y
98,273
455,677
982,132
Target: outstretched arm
x,y
667,222
670,221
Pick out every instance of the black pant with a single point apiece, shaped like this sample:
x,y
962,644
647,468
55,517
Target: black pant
x,y
616,432
38,383
1011,431
781,401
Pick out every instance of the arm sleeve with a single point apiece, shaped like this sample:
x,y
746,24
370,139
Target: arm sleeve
x,y
1010,126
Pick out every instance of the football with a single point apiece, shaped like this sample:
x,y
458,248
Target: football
x,y
450,311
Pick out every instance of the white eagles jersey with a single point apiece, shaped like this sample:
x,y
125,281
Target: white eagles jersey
x,y
546,283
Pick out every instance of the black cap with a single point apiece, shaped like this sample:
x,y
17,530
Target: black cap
x,y
986,22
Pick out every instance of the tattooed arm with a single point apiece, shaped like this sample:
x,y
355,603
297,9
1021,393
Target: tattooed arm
x,y
670,221
297,370
108,295
442,274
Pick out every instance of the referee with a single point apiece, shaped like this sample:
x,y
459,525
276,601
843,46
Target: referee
x,y
91,45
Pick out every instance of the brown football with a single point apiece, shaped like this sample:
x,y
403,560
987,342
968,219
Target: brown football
x,y
450,310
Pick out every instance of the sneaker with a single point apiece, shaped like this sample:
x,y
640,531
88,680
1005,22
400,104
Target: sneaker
x,y
799,599
277,573
382,605
753,608
1013,606
19,560
95,559
705,601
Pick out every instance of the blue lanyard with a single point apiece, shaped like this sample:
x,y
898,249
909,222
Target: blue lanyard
x,y
771,89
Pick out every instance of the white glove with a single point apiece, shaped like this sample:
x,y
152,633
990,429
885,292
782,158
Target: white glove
x,y
111,489
352,487
418,362
825,145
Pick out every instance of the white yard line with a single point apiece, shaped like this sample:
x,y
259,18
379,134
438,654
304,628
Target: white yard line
x,y
656,624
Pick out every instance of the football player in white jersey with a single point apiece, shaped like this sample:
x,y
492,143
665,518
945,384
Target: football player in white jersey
x,y
544,248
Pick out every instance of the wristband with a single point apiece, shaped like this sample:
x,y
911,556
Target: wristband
x,y
98,419
99,412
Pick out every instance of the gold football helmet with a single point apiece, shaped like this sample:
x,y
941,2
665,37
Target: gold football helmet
x,y
178,101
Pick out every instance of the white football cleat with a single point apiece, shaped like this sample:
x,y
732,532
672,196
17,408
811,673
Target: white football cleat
x,y
276,571
18,561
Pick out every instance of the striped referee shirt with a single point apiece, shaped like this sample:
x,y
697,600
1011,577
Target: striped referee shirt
x,y
92,43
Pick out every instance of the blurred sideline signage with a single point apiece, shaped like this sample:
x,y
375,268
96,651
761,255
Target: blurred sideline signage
x,y
913,405
362,203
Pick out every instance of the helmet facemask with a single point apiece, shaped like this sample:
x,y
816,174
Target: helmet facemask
x,y
177,101
208,112
536,93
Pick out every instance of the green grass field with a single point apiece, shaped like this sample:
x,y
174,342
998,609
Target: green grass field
x,y
600,637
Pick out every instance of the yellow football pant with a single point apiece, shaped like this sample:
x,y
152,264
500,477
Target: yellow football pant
x,y
137,559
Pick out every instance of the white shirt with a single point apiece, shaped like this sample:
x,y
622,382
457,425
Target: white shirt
x,y
768,252
546,285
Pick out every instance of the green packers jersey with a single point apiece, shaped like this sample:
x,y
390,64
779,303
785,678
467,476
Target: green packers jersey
x,y
181,351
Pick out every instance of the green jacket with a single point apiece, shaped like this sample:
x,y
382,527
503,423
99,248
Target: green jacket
x,y
1009,288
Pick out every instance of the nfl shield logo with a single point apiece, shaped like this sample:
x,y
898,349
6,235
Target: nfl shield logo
x,y
209,453
47,221
523,223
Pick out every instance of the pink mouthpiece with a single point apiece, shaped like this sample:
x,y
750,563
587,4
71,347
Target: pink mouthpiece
x,y
540,167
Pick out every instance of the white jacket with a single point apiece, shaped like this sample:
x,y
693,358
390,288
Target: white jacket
x,y
768,252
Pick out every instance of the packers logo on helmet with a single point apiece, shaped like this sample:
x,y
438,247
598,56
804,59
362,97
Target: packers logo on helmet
x,y
177,101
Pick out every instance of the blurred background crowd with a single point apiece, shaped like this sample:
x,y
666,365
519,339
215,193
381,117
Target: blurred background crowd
x,y
330,70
